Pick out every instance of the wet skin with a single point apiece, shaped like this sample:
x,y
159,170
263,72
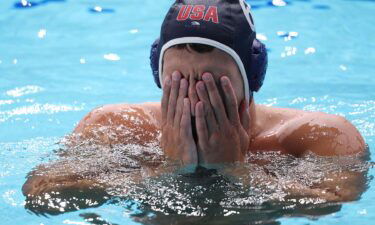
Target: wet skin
x,y
209,88
211,84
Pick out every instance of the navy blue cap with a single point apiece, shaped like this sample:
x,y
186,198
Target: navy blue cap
x,y
225,24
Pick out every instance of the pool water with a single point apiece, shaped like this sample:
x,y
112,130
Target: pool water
x,y
59,59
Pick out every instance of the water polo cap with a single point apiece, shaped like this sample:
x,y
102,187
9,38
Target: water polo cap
x,y
224,24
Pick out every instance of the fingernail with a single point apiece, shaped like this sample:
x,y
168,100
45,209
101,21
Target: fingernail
x,y
224,81
200,85
176,75
206,77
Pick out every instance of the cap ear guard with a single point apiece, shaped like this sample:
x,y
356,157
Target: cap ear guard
x,y
258,65
257,70
154,62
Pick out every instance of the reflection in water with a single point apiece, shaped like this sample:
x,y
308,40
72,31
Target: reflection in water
x,y
95,219
267,187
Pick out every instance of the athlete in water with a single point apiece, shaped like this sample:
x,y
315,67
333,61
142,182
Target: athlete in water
x,y
209,63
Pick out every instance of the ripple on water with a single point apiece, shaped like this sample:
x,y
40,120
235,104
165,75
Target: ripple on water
x,y
26,90
37,108
266,184
360,113
30,152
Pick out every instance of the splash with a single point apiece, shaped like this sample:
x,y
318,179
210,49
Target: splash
x,y
152,190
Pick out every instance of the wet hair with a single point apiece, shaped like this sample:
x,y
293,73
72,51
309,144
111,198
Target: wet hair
x,y
200,48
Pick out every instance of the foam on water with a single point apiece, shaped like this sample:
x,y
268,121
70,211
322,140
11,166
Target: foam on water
x,y
268,186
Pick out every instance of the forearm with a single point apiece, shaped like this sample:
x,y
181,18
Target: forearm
x,y
48,192
66,197
346,186
37,185
334,187
341,186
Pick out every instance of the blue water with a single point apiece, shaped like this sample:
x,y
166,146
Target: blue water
x,y
60,59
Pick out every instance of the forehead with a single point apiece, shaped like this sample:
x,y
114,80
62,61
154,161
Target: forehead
x,y
214,61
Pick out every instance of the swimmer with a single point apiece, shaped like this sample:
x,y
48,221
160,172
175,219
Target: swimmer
x,y
209,63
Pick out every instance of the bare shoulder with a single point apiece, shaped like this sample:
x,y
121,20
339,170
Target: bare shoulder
x,y
120,123
321,133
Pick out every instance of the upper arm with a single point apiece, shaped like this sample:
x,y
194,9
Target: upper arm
x,y
117,124
324,135
50,190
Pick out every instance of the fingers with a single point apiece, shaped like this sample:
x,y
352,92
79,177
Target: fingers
x,y
185,125
193,97
191,154
180,101
231,105
245,115
215,99
210,116
165,98
201,124
176,77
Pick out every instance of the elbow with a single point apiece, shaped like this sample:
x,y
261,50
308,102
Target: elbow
x,y
340,137
355,143
348,195
31,188
35,186
26,189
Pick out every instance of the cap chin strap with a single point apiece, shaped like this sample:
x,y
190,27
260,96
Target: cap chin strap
x,y
206,41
